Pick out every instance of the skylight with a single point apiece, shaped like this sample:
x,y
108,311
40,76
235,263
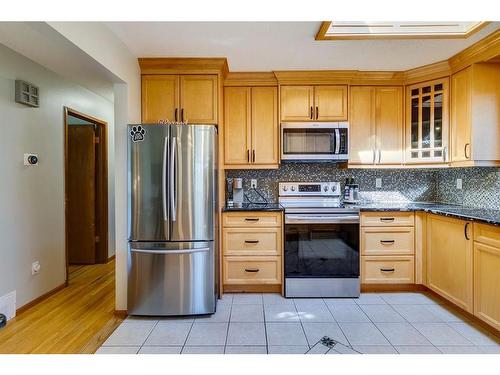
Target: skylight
x,y
331,30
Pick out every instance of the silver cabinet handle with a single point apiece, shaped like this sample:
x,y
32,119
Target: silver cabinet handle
x,y
467,145
379,155
444,153
164,180
374,155
173,193
168,252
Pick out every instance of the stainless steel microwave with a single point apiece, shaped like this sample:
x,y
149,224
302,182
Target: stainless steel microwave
x,y
315,141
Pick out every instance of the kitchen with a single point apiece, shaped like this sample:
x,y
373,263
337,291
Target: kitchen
x,y
343,199
372,187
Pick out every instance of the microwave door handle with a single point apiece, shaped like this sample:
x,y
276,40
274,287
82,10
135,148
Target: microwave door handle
x,y
337,141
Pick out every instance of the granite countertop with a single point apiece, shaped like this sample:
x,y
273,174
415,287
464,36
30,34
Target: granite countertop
x,y
489,216
255,207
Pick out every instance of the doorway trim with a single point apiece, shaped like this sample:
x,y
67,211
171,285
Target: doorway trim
x,y
101,185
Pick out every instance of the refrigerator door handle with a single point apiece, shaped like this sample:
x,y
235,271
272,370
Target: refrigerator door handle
x,y
164,180
173,190
168,252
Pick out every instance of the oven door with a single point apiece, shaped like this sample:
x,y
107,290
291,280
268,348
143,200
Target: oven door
x,y
314,141
321,246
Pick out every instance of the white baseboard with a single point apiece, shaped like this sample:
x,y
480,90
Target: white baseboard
x,y
8,305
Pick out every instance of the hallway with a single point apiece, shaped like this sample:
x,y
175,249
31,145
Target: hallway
x,y
77,319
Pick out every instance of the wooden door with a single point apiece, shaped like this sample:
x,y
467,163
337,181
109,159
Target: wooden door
x,y
81,189
237,124
198,100
389,125
160,98
449,259
330,103
486,283
265,130
297,103
362,125
460,129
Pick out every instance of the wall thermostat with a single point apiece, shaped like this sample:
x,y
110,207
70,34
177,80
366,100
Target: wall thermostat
x,y
30,159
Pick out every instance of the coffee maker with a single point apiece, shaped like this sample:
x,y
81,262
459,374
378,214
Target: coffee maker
x,y
234,192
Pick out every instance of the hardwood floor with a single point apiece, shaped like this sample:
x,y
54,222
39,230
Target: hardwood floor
x,y
77,319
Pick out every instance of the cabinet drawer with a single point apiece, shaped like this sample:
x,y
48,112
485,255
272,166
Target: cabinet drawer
x,y
248,241
487,234
252,270
251,219
387,241
387,219
387,270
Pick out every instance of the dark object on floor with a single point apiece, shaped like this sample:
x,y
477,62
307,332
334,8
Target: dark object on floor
x,y
329,346
3,320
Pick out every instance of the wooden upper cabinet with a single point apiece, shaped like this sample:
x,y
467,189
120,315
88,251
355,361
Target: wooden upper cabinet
x,y
362,125
389,124
314,103
297,103
376,125
198,99
251,136
160,97
475,123
237,126
330,103
449,259
265,129
427,121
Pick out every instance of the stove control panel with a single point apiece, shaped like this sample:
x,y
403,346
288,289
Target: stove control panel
x,y
329,189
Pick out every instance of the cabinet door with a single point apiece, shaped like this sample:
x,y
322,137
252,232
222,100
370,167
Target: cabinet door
x,y
199,99
362,126
427,122
389,124
160,97
449,259
330,103
297,103
486,282
237,125
461,115
265,131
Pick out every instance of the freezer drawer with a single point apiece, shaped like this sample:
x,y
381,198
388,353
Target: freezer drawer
x,y
171,278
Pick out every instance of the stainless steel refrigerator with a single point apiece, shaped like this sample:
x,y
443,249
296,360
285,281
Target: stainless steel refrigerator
x,y
172,202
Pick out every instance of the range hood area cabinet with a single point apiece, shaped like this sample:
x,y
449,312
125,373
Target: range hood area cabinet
x,y
376,125
174,97
251,130
475,117
313,103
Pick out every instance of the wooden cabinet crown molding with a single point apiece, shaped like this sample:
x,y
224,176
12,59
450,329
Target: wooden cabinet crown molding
x,y
251,79
337,77
486,49
184,65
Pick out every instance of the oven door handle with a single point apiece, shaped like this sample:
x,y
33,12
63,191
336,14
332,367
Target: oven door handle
x,y
321,219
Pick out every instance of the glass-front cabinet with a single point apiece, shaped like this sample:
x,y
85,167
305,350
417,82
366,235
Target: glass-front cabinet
x,y
427,121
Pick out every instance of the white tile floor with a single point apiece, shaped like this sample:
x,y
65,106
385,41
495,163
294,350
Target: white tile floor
x,y
376,323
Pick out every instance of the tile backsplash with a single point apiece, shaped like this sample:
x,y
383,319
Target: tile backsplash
x,y
481,186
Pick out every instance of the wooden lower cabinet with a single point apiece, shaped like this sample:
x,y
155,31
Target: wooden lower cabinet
x,y
449,259
252,248
387,270
487,274
252,270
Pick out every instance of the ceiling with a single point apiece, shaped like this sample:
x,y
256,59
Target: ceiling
x,y
266,46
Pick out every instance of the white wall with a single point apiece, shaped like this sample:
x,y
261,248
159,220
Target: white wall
x,y
103,46
32,199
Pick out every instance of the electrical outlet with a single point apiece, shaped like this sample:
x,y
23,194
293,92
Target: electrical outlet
x,y
253,183
378,183
459,183
35,267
